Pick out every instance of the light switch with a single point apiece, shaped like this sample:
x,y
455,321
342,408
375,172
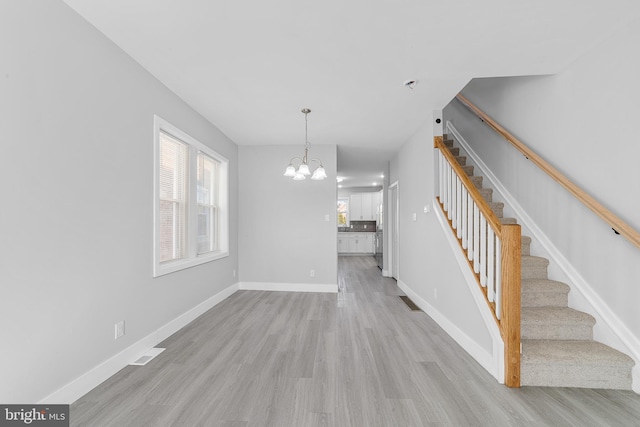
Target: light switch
x,y
426,209
327,218
415,216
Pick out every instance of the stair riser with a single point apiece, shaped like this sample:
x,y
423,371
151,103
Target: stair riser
x,y
525,248
477,181
487,194
533,272
545,299
497,209
455,151
573,375
541,331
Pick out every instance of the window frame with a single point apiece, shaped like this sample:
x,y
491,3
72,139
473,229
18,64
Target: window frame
x,y
346,203
194,147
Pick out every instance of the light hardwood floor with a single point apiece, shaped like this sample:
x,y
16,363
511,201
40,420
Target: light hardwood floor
x,y
358,358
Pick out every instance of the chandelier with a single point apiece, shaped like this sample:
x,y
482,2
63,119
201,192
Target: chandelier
x,y
302,171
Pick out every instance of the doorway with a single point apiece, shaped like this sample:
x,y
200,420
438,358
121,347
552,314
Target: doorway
x,y
393,247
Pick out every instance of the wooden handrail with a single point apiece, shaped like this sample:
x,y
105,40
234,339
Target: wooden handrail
x,y
618,225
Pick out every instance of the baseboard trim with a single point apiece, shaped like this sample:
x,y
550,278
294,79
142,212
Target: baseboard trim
x,y
601,311
289,287
91,379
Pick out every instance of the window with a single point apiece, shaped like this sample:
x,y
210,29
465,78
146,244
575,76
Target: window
x,y
191,201
343,212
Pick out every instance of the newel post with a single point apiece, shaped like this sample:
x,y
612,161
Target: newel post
x,y
511,302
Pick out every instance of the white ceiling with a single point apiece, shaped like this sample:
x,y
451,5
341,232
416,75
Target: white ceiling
x,y
249,66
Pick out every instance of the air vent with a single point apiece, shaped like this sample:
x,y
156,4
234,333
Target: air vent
x,y
148,356
409,303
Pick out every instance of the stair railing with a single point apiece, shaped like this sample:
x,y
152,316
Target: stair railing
x,y
492,250
617,224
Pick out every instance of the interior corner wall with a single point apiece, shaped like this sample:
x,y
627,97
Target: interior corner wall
x,y
76,169
426,263
584,121
284,230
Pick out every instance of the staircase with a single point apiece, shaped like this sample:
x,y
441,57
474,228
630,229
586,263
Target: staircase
x,y
557,342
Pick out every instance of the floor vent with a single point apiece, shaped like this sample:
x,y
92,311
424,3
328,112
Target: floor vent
x,y
148,356
409,303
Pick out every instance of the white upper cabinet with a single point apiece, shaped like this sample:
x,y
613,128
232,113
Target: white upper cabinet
x,y
364,206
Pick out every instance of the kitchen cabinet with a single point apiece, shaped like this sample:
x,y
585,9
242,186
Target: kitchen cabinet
x,y
363,206
343,243
356,243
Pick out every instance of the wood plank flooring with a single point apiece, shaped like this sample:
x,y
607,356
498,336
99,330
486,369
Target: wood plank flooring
x,y
358,358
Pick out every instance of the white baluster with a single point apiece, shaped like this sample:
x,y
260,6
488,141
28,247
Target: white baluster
x,y
491,258
447,175
483,250
476,238
498,278
470,228
463,217
459,188
441,176
451,178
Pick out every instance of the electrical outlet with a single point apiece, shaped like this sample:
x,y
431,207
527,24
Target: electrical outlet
x,y
234,273
119,329
327,218
312,273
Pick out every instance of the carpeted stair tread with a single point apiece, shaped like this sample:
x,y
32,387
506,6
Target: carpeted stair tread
x,y
590,352
487,194
468,170
544,293
462,160
448,142
555,315
525,245
508,220
556,323
574,363
533,267
497,208
544,285
476,180
455,151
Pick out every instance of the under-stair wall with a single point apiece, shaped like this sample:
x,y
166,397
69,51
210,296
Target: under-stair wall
x,y
574,120
429,271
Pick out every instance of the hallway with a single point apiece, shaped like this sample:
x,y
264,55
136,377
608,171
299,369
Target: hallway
x,y
361,358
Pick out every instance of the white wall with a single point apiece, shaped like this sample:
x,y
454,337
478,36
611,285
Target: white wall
x,y
283,229
346,192
426,263
76,167
584,121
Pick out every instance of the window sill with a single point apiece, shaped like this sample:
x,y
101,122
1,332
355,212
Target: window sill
x,y
173,266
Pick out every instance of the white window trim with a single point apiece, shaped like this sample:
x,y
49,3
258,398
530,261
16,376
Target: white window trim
x,y
192,258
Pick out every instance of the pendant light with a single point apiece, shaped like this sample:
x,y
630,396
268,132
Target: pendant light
x,y
303,170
